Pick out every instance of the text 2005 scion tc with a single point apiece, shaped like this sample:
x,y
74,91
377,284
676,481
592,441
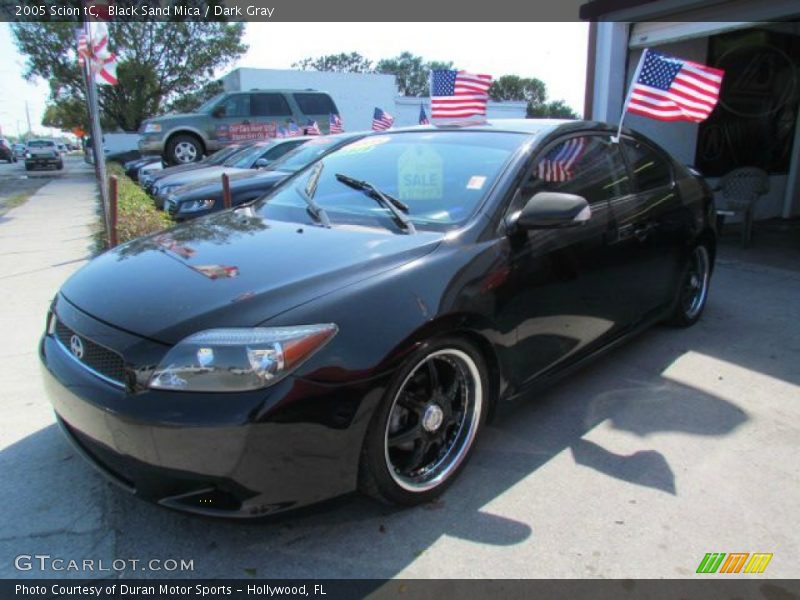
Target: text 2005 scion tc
x,y
355,328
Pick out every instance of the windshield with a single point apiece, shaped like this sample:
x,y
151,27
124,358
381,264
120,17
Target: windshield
x,y
220,156
304,155
441,176
246,158
40,144
206,106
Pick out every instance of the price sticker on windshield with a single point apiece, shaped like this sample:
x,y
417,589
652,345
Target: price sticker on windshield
x,y
420,174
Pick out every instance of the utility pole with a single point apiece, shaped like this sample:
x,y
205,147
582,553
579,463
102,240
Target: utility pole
x,y
97,132
28,115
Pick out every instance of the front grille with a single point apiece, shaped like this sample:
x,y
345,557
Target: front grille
x,y
99,359
171,207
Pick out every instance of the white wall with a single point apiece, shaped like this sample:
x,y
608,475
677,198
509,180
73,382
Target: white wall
x,y
611,48
355,94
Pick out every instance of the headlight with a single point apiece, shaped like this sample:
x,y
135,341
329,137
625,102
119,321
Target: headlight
x,y
152,128
197,205
28,155
237,360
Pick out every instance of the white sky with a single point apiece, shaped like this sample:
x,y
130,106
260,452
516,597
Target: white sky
x,y
553,52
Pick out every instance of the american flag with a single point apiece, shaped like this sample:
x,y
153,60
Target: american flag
x,y
458,93
335,124
671,89
93,48
312,128
294,130
556,166
83,47
381,120
423,118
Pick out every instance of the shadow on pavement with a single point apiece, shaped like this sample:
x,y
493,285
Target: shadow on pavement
x,y
64,504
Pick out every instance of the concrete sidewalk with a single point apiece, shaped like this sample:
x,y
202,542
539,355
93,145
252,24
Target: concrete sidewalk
x,y
41,243
681,443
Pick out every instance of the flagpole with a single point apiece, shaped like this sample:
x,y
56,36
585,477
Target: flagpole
x,y
636,74
97,132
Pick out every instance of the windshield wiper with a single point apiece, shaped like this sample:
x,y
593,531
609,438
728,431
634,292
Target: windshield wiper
x,y
307,193
395,206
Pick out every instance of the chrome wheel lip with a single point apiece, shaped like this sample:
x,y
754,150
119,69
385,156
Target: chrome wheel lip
x,y
185,152
455,455
694,298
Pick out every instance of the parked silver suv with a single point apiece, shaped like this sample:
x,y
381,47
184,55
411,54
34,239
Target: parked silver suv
x,y
232,117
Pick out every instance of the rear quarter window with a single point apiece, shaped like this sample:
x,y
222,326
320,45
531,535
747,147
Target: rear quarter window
x,y
650,170
315,103
269,105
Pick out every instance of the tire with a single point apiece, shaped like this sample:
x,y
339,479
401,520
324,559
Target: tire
x,y
692,292
401,470
183,149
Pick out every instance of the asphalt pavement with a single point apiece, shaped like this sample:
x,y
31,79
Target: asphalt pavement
x,y
16,181
681,443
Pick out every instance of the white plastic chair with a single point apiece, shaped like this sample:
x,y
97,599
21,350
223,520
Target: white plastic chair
x,y
740,190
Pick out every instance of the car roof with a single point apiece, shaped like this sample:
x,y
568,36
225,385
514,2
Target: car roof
x,y
277,91
528,126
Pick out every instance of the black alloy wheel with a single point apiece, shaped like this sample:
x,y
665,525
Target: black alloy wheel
x,y
423,432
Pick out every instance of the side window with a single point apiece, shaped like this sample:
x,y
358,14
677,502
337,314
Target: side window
x,y
315,103
236,105
650,170
269,105
589,166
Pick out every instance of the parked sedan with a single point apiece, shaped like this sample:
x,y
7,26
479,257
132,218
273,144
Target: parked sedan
x,y
355,328
257,156
6,152
149,176
204,197
132,167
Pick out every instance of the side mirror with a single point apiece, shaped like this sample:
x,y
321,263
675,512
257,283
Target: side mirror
x,y
553,210
261,163
219,111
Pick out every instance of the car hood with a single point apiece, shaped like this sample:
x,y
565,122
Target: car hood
x,y
198,175
231,269
238,182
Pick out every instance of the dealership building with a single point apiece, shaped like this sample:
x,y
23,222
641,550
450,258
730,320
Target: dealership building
x,y
756,124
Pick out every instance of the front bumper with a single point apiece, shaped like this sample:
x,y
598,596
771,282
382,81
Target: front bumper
x,y
42,161
233,455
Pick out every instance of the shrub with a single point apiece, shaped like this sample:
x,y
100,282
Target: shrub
x,y
136,213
